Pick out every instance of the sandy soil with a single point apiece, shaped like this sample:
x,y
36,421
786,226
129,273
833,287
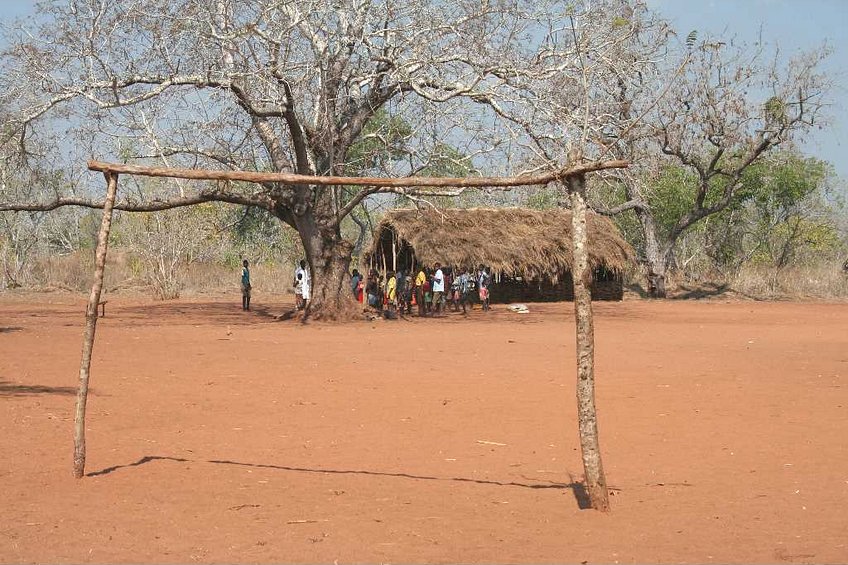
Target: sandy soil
x,y
221,436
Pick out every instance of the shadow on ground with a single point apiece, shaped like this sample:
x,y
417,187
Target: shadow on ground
x,y
218,313
709,290
17,389
576,488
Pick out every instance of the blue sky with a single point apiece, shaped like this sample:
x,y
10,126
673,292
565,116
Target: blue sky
x,y
792,24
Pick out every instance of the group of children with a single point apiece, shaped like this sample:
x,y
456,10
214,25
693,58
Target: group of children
x,y
430,290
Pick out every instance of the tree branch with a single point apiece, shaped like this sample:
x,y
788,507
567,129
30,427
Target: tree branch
x,y
630,205
155,205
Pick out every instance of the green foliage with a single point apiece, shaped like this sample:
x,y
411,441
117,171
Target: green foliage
x,y
385,142
619,22
775,111
784,211
446,161
544,198
780,185
781,213
790,214
382,142
231,259
672,195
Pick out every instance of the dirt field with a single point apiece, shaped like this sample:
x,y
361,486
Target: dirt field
x,y
221,436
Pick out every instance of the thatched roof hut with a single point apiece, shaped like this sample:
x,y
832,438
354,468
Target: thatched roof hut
x,y
514,241
524,244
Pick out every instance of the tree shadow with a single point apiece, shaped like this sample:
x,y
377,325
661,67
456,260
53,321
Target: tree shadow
x,y
264,312
7,330
708,290
142,461
290,314
217,313
637,288
17,389
711,290
577,488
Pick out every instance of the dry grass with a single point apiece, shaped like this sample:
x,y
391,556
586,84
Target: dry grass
x,y
72,273
200,278
126,274
822,281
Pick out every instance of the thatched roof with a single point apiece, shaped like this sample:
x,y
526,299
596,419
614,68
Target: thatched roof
x,y
514,241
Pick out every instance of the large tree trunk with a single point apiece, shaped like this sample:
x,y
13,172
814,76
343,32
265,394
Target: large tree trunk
x,y
595,481
656,258
329,256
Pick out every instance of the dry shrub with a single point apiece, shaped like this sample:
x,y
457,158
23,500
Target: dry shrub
x,y
75,272
201,278
127,272
821,282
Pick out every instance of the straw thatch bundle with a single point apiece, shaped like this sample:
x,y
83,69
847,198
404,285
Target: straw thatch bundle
x,y
533,244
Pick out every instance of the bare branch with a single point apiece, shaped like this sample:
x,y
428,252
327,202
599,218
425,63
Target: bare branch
x,y
154,205
620,209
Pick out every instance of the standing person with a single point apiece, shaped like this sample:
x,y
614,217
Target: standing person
x,y
449,278
401,291
245,285
420,279
299,279
466,290
428,292
483,283
391,294
438,289
355,279
454,294
307,284
408,295
372,290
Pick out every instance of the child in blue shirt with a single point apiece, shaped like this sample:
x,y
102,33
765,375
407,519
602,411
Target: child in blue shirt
x,y
245,286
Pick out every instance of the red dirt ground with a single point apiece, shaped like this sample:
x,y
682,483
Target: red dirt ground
x,y
220,436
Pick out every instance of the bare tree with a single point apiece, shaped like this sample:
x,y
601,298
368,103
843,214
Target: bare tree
x,y
729,106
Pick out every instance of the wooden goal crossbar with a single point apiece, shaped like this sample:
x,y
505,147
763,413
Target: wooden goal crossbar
x,y
398,182
572,176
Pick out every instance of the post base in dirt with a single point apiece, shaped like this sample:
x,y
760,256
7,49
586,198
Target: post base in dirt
x,y
598,496
79,458
91,324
